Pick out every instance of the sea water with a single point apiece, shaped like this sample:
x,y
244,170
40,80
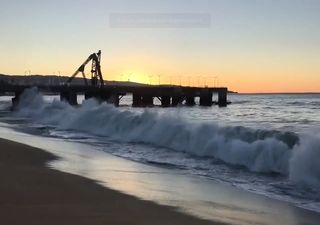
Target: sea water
x,y
265,144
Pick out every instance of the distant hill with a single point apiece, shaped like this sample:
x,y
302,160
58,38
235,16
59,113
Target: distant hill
x,y
55,80
37,79
51,80
59,80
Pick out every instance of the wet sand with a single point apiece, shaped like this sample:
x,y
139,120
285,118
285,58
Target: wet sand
x,y
31,193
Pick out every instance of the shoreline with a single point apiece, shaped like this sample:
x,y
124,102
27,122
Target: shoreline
x,y
190,195
32,193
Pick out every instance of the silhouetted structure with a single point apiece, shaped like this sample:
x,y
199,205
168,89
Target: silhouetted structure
x,y
142,95
96,74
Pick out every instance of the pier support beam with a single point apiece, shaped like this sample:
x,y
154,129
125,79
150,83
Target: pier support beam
x,y
88,95
103,96
97,95
113,99
222,97
69,96
176,100
206,98
147,100
165,101
136,100
16,98
190,101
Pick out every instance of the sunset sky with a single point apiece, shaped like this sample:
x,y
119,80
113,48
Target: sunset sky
x,y
248,45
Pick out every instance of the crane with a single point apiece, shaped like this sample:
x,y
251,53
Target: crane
x,y
96,74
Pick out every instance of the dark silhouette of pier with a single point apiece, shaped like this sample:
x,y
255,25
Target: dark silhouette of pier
x,y
142,95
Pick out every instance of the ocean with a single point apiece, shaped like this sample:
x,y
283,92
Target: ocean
x,y
267,144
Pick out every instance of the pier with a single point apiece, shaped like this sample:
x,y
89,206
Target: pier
x,y
142,95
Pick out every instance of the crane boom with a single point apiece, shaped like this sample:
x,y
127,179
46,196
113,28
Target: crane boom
x,y
96,74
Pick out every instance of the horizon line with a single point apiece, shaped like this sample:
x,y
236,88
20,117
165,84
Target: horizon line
x,y
232,91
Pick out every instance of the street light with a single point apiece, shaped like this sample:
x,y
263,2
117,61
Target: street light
x,y
199,81
215,81
205,82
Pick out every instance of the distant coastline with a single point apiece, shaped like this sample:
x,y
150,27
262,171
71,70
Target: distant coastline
x,y
38,79
58,80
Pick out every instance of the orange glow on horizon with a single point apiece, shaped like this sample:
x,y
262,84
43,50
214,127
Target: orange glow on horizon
x,y
242,77
243,85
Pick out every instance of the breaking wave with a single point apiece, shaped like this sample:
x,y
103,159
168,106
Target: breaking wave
x,y
266,151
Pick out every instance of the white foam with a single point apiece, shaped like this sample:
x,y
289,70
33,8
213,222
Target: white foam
x,y
257,150
304,163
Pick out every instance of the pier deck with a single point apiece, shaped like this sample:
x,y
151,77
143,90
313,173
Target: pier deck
x,y
141,95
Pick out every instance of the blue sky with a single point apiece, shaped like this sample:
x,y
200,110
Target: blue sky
x,y
256,42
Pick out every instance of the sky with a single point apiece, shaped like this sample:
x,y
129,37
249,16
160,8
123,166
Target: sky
x,y
246,45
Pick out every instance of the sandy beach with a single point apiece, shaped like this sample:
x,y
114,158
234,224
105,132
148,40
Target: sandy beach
x,y
31,193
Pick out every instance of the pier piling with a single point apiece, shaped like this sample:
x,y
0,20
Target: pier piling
x,y
147,100
165,101
177,100
190,100
113,99
136,100
206,98
222,97
16,98
69,96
